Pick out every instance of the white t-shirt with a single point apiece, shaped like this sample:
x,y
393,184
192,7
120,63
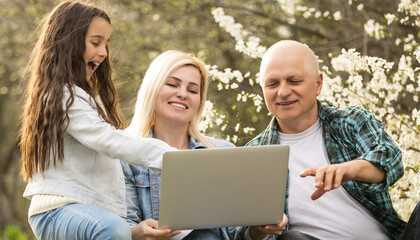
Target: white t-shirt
x,y
335,215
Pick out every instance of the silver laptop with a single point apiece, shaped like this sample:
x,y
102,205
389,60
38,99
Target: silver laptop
x,y
223,187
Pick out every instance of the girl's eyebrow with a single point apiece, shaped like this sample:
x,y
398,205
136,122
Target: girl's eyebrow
x,y
99,36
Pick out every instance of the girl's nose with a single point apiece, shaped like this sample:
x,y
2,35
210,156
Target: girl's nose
x,y
103,52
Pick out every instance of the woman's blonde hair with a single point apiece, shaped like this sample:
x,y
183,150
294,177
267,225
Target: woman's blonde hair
x,y
155,77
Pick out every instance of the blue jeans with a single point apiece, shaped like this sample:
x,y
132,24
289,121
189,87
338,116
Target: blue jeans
x,y
79,221
295,235
202,234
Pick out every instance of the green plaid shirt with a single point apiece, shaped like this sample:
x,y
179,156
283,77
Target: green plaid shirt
x,y
354,133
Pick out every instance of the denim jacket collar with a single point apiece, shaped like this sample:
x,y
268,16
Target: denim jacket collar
x,y
194,143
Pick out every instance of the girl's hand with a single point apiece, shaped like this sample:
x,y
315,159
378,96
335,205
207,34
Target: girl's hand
x,y
147,230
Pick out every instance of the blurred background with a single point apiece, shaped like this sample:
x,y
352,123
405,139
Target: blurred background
x,y
142,29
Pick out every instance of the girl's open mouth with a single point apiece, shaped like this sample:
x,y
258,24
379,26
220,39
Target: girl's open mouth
x,y
93,65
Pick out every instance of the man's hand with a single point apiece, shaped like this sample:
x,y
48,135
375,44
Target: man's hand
x,y
147,230
332,176
260,232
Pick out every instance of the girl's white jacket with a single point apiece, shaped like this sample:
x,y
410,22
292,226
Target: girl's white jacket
x,y
90,171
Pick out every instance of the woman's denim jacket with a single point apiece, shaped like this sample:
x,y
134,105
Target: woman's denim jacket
x,y
89,171
143,188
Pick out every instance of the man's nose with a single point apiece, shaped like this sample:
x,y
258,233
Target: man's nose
x,y
284,90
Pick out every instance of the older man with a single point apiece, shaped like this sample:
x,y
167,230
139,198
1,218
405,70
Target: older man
x,y
353,160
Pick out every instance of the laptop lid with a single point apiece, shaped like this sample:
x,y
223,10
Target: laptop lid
x,y
223,187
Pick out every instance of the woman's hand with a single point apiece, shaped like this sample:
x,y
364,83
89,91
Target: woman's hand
x,y
147,230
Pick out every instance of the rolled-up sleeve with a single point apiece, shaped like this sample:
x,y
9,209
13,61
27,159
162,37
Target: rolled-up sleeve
x,y
375,146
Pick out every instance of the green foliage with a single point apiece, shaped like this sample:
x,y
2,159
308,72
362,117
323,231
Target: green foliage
x,y
12,232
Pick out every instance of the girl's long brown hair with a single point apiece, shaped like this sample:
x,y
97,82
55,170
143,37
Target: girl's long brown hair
x,y
57,63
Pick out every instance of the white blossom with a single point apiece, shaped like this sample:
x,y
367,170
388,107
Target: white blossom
x,y
374,29
390,18
248,129
417,54
284,31
288,6
337,16
409,7
237,127
246,44
219,86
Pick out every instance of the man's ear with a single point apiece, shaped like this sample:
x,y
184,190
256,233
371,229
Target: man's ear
x,y
319,83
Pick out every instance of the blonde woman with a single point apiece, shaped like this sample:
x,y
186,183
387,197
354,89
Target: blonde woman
x,y
169,107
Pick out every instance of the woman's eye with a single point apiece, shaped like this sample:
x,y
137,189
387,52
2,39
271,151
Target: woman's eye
x,y
95,43
171,85
193,91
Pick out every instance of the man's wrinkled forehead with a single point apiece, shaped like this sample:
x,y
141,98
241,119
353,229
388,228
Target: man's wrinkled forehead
x,y
290,50
281,53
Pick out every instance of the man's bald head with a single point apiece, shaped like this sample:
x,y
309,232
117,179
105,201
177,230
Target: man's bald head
x,y
290,49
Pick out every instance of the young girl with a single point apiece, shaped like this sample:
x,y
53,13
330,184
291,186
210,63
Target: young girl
x,y
70,134
169,106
